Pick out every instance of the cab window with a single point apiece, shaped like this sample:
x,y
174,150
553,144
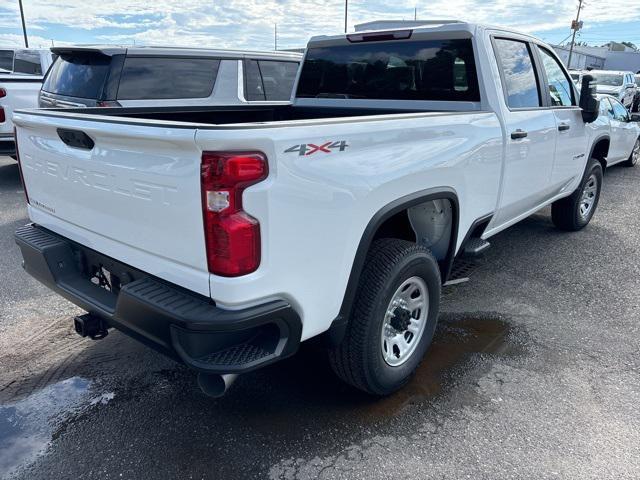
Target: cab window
x,y
559,84
519,75
619,112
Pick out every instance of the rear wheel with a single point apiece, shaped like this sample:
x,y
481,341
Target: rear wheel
x,y
393,318
575,212
635,155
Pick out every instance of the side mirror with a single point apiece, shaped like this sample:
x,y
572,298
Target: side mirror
x,y
635,117
589,104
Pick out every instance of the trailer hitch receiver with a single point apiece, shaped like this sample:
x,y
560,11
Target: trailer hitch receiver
x,y
90,326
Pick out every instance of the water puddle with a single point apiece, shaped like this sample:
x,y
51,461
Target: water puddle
x,y
27,426
458,338
304,391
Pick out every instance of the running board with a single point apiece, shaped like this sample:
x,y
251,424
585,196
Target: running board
x,y
475,247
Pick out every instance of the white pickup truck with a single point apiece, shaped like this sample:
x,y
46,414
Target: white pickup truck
x,y
223,237
19,89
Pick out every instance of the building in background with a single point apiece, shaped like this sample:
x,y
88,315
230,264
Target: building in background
x,y
627,61
583,58
614,56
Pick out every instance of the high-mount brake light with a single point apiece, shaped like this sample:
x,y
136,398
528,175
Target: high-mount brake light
x,y
107,104
379,36
232,236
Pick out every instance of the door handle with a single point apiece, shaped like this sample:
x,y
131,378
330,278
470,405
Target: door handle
x,y
563,127
518,134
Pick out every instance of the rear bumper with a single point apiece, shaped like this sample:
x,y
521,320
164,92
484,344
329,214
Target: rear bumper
x,y
174,321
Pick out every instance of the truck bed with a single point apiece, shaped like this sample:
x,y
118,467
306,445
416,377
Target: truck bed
x,y
230,115
133,192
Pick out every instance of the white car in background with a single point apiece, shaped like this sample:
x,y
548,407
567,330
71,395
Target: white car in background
x,y
620,85
118,76
621,128
19,88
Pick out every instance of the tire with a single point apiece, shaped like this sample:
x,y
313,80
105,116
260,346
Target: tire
x,y
360,359
635,155
571,213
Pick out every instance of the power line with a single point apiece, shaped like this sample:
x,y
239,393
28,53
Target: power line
x,y
24,27
575,27
346,10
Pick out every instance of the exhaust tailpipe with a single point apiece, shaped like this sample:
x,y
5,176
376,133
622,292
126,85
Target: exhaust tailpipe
x,y
215,385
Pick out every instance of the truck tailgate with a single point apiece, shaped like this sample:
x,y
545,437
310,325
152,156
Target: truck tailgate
x,y
133,195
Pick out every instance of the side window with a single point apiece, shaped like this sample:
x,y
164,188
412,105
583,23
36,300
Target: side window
x,y
605,108
269,79
278,78
253,89
153,78
559,84
619,112
28,63
519,75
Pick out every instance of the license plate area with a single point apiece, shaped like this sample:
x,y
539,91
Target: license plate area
x,y
102,271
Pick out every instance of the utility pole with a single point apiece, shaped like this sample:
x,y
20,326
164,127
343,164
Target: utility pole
x,y
346,10
275,36
415,13
575,27
24,28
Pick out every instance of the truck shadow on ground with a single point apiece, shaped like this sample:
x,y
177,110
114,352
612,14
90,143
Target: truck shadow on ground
x,y
286,402
10,176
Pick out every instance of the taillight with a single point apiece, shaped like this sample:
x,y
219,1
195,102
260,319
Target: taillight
x,y
24,185
3,117
232,236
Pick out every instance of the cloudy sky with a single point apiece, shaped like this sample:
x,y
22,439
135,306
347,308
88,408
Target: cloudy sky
x,y
250,23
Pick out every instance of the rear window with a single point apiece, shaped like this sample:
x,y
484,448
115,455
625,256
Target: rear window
x,y
6,59
78,75
151,78
414,70
269,79
27,62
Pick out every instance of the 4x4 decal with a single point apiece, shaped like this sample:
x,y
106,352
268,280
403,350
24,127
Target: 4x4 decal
x,y
307,149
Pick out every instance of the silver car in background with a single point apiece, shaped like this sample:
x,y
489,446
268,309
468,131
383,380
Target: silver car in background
x,y
620,85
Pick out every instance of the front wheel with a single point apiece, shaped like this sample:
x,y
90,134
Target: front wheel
x,y
575,212
635,155
393,318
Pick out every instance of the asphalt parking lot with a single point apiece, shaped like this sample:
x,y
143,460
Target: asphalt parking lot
x,y
534,373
